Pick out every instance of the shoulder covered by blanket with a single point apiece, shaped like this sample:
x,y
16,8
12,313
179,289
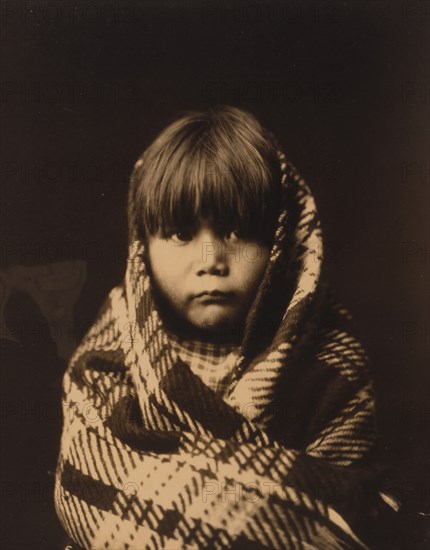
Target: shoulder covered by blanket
x,y
152,458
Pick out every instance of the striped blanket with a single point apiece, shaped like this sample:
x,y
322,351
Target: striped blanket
x,y
152,458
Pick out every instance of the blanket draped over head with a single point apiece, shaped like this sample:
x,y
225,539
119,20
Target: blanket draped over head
x,y
152,458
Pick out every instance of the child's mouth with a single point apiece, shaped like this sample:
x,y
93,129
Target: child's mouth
x,y
214,296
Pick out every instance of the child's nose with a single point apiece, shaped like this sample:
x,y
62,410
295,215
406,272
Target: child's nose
x,y
211,255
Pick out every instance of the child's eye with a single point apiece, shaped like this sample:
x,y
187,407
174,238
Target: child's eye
x,y
180,237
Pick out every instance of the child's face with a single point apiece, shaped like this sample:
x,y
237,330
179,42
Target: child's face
x,y
186,268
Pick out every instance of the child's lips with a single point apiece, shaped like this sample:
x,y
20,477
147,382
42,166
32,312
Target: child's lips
x,y
214,296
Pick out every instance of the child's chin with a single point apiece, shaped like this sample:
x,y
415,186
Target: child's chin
x,y
216,322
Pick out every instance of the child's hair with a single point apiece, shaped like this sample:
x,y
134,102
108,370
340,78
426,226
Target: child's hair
x,y
219,165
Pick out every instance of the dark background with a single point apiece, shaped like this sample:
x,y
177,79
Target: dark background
x,y
344,86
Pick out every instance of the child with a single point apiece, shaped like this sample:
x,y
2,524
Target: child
x,y
220,400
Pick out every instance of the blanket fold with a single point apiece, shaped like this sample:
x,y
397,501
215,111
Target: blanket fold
x,y
152,458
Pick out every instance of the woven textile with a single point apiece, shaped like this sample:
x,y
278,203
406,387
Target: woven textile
x,y
212,363
151,457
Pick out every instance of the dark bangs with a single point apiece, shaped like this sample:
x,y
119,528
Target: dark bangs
x,y
218,166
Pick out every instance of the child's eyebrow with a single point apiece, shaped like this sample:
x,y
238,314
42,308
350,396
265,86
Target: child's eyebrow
x,y
219,227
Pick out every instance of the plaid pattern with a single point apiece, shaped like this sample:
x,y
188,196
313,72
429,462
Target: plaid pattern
x,y
152,458
211,363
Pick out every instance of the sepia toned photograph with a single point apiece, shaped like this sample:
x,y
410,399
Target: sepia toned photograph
x,y
214,275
